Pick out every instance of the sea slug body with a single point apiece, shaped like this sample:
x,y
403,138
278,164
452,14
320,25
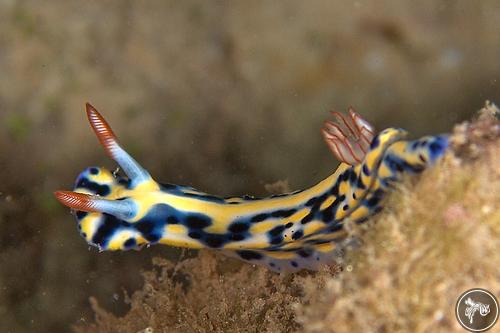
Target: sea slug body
x,y
286,232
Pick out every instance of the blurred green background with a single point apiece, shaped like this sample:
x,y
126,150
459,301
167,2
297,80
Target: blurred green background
x,y
225,96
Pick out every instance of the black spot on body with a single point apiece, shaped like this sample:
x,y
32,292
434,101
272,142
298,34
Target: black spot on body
x,y
335,190
108,227
353,177
366,170
276,230
294,264
375,143
259,218
373,201
153,237
81,214
194,234
396,164
435,148
289,225
318,202
327,214
308,218
237,237
94,171
215,241
277,240
172,220
145,227
102,190
298,234
360,184
129,243
124,181
283,213
320,241
250,255
197,222
311,201
239,227
339,199
346,207
422,158
315,202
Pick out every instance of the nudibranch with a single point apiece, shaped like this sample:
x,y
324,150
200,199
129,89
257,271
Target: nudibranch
x,y
285,232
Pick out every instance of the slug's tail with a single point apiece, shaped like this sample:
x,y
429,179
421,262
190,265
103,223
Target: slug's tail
x,y
310,257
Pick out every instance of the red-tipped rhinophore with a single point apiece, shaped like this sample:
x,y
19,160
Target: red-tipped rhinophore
x,y
78,201
132,169
102,129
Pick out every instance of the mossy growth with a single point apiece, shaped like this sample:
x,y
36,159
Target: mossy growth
x,y
438,236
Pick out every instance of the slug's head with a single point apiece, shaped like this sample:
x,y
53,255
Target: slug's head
x,y
100,182
103,201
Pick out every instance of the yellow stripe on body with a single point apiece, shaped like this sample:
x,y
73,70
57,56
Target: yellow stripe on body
x,y
118,240
324,248
103,177
400,148
89,225
176,235
262,227
383,172
359,212
223,214
337,235
280,254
